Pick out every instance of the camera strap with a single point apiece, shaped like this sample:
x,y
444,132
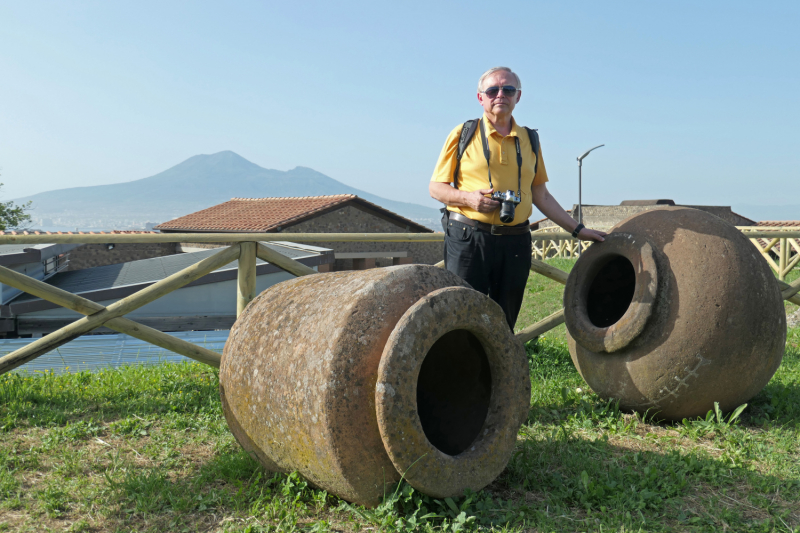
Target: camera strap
x,y
519,169
488,155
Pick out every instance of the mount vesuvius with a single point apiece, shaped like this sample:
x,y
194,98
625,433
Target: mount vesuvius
x,y
197,183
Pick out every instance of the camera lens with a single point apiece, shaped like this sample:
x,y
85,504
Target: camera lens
x,y
507,212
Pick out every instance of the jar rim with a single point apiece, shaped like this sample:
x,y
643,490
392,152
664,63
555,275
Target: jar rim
x,y
622,332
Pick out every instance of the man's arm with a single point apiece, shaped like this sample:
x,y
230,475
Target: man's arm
x,y
449,195
550,207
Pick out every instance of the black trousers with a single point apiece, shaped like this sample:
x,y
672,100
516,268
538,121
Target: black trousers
x,y
496,265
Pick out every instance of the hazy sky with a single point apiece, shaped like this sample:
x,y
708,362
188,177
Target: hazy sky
x,y
695,101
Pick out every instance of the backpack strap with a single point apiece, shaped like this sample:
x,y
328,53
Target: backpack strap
x,y
467,132
534,137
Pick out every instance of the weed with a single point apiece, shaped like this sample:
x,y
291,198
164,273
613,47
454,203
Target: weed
x,y
54,501
715,423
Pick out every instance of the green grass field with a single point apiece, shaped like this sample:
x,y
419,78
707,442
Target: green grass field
x,y
147,449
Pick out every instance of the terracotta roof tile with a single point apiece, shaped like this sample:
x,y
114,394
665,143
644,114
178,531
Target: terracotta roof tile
x,y
779,223
271,214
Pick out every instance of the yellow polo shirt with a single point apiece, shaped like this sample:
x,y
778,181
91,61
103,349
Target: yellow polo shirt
x,y
473,175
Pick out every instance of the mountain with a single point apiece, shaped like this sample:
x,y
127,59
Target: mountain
x,y
197,183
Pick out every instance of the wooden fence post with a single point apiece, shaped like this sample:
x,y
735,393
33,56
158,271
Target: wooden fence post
x,y
782,260
246,280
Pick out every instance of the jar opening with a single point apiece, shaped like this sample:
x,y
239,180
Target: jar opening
x,y
454,390
611,292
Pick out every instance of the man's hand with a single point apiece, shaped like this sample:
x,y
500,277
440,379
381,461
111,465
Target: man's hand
x,y
587,234
477,201
449,195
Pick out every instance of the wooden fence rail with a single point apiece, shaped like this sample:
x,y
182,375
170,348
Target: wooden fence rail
x,y
244,247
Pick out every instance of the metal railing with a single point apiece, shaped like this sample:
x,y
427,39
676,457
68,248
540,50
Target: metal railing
x,y
246,248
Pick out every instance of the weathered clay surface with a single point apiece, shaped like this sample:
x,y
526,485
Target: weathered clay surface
x,y
299,372
705,324
453,389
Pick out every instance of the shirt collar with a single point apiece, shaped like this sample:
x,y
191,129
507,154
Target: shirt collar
x,y
490,129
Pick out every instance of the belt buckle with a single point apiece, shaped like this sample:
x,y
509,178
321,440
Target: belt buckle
x,y
494,228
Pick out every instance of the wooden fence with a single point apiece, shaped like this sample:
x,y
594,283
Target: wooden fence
x,y
783,242
787,249
244,247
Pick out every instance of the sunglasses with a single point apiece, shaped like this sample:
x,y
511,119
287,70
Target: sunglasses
x,y
508,90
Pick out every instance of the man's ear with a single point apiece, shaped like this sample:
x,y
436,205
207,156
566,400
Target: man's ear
x,y
479,99
519,95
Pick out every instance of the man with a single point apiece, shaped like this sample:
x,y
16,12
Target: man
x,y
491,255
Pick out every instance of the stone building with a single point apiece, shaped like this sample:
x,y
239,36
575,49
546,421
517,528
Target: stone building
x,y
81,256
606,216
341,213
112,253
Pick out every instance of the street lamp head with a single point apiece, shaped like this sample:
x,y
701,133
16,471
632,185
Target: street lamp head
x,y
587,152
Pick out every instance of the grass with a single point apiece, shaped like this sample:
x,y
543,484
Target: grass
x,y
543,297
146,449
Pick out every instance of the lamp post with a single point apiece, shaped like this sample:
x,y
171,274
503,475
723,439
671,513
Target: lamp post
x,y
580,184
580,179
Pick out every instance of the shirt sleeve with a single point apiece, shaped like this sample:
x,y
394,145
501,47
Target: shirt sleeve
x,y
447,158
541,171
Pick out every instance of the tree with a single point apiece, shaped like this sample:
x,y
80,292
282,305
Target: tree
x,y
13,216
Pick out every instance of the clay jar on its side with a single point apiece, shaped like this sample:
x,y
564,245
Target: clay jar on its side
x,y
356,378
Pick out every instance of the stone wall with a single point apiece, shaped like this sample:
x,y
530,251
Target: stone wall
x,y
605,216
349,219
93,255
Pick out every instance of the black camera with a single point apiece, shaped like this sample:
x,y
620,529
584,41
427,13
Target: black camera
x,y
508,202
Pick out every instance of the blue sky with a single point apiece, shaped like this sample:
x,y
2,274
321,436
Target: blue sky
x,y
695,101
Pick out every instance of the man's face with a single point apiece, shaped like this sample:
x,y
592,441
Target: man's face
x,y
500,105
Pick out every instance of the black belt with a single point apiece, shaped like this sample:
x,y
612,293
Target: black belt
x,y
519,229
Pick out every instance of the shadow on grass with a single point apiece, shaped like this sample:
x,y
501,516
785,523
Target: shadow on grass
x,y
551,367
552,481
625,486
777,403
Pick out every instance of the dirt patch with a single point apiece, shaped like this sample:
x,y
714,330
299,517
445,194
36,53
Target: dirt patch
x,y
793,320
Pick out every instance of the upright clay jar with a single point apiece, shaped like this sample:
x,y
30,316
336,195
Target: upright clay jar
x,y
675,311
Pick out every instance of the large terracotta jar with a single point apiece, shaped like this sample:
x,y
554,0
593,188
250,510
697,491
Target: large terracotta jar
x,y
356,378
676,310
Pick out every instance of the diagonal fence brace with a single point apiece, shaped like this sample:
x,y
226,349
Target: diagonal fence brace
x,y
121,324
548,323
265,253
789,291
117,309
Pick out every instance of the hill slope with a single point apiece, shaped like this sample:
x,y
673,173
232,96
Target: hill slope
x,y
199,182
